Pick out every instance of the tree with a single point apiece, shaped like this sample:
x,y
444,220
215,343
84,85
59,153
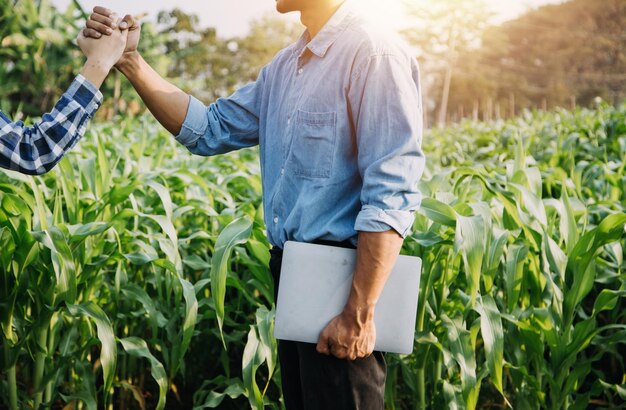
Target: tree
x,y
579,55
442,31
211,67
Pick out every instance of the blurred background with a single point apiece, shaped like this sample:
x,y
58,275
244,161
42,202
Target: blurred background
x,y
481,59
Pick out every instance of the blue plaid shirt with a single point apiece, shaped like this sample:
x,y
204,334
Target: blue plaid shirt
x,y
36,150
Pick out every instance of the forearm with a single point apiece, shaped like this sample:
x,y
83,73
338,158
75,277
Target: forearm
x,y
95,71
376,255
165,101
36,149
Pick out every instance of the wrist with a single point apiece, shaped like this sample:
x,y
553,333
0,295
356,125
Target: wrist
x,y
96,70
100,63
128,62
361,311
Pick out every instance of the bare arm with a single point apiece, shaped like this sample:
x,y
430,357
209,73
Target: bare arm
x,y
165,101
36,149
352,334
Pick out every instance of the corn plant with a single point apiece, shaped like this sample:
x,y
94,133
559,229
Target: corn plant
x,y
522,235
135,275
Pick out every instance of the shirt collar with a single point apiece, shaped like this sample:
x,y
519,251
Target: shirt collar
x,y
338,22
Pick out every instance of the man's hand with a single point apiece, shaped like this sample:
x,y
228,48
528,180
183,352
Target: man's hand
x,y
101,54
104,21
352,334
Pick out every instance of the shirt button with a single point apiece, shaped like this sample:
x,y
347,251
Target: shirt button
x,y
282,171
275,219
289,121
300,71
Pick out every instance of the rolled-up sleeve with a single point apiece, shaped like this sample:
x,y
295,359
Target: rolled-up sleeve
x,y
226,125
385,100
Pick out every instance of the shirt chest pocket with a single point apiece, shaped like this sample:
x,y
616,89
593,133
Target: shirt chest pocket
x,y
312,147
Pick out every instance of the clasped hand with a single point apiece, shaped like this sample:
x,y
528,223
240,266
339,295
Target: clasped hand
x,y
107,40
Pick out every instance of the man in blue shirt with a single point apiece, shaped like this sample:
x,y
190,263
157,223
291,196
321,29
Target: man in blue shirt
x,y
36,150
337,116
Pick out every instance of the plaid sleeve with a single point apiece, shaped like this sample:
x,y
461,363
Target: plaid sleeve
x,y
36,150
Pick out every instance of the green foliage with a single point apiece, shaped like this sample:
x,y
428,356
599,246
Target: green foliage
x,y
37,54
117,237
522,237
39,57
522,300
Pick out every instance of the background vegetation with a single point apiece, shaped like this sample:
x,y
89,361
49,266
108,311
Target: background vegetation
x,y
135,275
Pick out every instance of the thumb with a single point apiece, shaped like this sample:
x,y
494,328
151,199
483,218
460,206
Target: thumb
x,y
129,22
124,34
322,344
81,36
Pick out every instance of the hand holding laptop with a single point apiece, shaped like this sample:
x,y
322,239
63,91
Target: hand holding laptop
x,y
315,284
352,334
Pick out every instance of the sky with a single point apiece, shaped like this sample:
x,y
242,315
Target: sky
x,y
232,17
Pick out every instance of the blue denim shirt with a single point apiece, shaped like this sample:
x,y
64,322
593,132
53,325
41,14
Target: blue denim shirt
x,y
339,124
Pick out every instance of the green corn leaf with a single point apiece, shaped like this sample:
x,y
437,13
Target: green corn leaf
x,y
567,222
137,347
438,212
453,397
80,232
607,300
619,389
166,199
154,316
556,257
515,259
461,347
583,272
191,315
214,399
7,244
166,225
235,233
88,393
533,204
108,354
62,262
102,177
265,326
493,337
69,189
252,359
533,177
260,251
43,212
470,241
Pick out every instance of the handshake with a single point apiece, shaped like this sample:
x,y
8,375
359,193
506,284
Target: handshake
x,y
108,40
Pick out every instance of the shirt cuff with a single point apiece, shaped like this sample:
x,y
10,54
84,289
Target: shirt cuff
x,y
195,124
373,219
86,94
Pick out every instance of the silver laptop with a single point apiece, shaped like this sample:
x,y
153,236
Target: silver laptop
x,y
315,283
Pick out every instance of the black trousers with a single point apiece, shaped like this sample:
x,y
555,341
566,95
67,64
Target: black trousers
x,y
311,380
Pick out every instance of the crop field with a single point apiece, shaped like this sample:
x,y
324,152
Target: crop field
x,y
135,276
